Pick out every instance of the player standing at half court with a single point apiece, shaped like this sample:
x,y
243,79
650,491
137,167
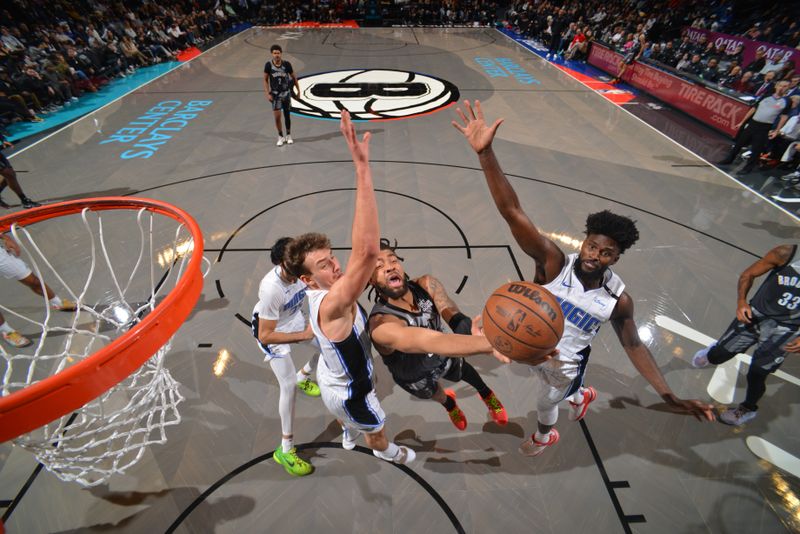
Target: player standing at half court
x,y
279,78
589,292
345,371
771,321
278,321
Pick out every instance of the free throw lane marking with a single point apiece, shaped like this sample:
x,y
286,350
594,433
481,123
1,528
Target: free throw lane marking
x,y
774,455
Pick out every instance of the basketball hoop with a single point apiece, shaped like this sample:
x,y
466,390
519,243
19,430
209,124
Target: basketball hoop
x,y
92,391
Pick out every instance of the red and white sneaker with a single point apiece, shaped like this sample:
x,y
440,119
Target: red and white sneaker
x,y
457,417
578,411
532,447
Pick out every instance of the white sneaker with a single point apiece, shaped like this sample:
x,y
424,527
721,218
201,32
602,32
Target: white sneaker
x,y
700,358
737,416
404,455
281,140
289,140
349,438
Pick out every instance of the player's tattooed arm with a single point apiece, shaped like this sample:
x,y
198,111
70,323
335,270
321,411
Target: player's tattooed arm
x,y
447,308
775,258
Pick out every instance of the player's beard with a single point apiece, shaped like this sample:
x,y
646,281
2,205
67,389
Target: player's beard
x,y
393,292
588,275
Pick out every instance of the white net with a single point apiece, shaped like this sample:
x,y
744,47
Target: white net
x,y
115,266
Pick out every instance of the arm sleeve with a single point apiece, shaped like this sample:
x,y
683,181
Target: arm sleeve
x,y
460,324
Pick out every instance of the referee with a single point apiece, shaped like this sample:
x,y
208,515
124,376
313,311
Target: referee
x,y
758,125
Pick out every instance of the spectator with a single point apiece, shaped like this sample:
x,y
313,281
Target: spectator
x,y
758,63
767,85
710,73
744,84
758,125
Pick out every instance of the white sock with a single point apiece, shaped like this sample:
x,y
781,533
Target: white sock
x,y
55,302
287,444
389,454
4,328
577,397
303,374
542,438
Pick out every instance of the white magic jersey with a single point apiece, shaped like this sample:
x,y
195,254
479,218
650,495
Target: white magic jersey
x,y
345,366
281,301
584,311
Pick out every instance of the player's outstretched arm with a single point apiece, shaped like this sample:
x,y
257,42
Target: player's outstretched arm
x,y
549,258
391,333
777,257
269,336
365,235
639,354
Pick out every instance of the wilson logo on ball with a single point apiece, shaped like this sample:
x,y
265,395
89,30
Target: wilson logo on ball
x,y
372,94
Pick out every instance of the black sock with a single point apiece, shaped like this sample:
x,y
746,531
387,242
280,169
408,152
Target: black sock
x,y
449,404
471,377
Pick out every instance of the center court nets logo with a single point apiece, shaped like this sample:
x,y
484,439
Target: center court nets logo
x,y
372,94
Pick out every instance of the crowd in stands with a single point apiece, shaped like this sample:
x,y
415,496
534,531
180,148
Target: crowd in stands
x,y
568,28
52,52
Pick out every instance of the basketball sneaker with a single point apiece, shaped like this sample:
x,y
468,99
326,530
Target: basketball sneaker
x,y
578,411
309,387
496,409
289,140
281,140
403,456
700,358
67,305
737,416
532,447
293,464
15,339
349,438
457,417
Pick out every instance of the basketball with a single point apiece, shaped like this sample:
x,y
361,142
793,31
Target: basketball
x,y
523,321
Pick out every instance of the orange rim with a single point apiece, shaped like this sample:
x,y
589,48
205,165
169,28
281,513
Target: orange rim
x,y
65,392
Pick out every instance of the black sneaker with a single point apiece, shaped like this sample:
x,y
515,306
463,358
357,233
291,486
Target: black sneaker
x,y
28,203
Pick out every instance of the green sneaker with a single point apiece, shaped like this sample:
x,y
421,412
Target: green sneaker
x,y
293,464
309,387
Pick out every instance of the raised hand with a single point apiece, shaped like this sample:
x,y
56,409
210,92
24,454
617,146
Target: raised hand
x,y
359,149
478,134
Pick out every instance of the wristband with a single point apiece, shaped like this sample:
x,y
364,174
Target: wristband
x,y
460,324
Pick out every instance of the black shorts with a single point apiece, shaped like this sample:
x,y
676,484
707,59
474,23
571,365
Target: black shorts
x,y
768,335
425,386
628,59
279,103
4,163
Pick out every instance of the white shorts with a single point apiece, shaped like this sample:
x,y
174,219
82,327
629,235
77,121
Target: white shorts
x,y
11,267
559,379
282,350
364,415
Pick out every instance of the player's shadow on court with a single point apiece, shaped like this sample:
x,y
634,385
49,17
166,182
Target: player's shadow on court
x,y
214,304
774,228
205,517
264,139
334,135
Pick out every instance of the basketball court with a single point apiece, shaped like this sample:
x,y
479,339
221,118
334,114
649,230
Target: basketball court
x,y
630,466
